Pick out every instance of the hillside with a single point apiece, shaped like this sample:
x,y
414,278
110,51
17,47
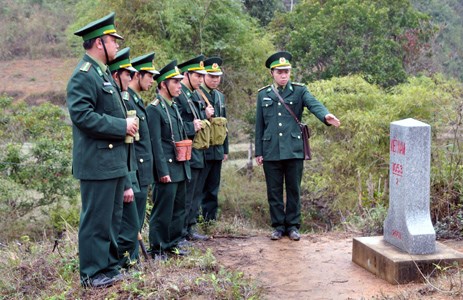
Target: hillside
x,y
317,267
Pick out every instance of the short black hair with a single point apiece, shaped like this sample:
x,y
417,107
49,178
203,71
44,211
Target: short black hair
x,y
88,44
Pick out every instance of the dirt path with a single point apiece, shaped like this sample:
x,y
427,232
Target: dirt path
x,y
316,267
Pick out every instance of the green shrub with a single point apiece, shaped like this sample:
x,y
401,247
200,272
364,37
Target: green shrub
x,y
39,192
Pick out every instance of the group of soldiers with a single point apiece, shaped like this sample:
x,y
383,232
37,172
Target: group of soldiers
x,y
176,143
121,148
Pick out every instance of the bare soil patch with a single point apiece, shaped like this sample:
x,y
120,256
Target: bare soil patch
x,y
319,266
36,81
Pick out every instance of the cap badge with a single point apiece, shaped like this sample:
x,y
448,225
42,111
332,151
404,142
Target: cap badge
x,y
215,66
201,64
282,60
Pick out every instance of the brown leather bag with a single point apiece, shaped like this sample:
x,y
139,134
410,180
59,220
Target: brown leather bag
x,y
305,131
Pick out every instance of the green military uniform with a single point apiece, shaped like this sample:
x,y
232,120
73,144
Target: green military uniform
x,y
127,240
210,174
192,107
279,141
143,150
99,158
168,213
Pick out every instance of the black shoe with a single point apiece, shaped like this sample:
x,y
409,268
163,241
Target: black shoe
x,y
276,235
99,281
294,235
119,277
160,257
194,236
184,244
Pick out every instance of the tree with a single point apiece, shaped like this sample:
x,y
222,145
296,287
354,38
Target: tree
x,y
263,10
341,37
447,57
177,29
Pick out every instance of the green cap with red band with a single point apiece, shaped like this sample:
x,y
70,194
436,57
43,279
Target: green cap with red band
x,y
99,28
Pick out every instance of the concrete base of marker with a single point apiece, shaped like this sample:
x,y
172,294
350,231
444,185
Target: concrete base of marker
x,y
396,266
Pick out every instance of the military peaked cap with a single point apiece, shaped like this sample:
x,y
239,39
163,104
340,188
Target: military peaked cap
x,y
212,66
194,65
121,61
145,63
169,71
99,28
280,60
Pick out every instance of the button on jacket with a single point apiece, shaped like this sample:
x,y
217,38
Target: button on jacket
x,y
99,125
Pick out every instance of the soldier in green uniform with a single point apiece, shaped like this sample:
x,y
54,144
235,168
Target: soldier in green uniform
x,y
127,241
193,112
279,146
142,80
100,125
166,127
215,155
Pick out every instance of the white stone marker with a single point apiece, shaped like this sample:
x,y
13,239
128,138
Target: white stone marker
x,y
408,223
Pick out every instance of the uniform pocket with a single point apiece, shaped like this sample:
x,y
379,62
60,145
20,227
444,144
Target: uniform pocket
x,y
111,155
296,140
110,99
267,107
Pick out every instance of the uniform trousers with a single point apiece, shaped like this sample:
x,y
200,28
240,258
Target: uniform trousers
x,y
193,200
127,240
210,201
167,216
288,173
100,221
140,201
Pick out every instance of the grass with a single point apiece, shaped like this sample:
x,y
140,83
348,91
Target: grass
x,y
30,270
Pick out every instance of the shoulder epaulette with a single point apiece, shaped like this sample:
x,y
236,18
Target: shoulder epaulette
x,y
85,67
155,102
125,95
263,88
298,83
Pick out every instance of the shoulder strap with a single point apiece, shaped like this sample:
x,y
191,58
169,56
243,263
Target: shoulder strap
x,y
286,106
170,120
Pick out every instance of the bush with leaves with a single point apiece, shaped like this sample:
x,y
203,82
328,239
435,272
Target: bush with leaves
x,y
349,172
35,164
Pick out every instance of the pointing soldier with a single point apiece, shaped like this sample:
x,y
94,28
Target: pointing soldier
x,y
279,146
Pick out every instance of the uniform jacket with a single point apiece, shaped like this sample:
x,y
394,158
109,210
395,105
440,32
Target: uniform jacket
x,y
99,126
161,140
187,102
217,99
143,151
278,136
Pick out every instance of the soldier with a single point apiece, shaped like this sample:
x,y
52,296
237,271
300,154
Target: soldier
x,y
100,125
166,127
127,241
215,155
142,81
279,146
193,112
